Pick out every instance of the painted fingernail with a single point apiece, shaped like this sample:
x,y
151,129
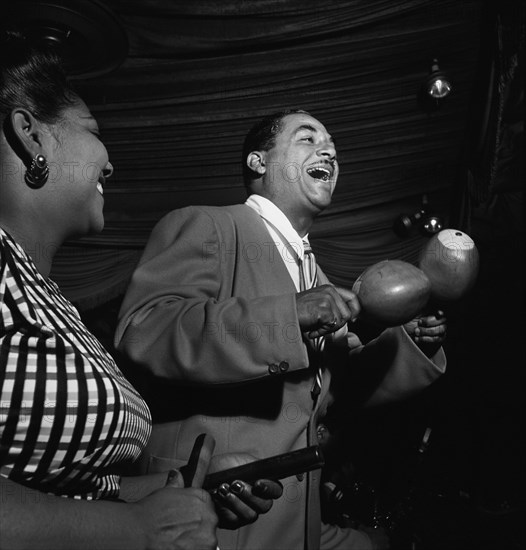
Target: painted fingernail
x,y
223,490
236,487
261,487
172,474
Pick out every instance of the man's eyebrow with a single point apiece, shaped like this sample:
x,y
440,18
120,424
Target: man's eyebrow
x,y
312,129
306,127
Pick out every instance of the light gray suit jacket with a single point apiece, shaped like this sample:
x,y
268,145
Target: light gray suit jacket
x,y
210,315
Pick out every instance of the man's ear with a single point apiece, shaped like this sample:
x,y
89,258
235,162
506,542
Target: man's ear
x,y
256,162
28,133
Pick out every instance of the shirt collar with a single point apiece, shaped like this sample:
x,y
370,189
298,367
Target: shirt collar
x,y
276,218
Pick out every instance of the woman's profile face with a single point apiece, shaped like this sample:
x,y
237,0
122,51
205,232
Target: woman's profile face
x,y
79,167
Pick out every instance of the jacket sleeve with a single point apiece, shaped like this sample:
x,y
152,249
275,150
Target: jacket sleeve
x,y
336,538
408,372
179,318
389,368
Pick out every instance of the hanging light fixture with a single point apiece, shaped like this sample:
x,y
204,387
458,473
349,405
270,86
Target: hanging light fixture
x,y
432,225
423,221
86,34
437,84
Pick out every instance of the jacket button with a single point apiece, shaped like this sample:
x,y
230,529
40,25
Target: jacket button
x,y
273,368
283,366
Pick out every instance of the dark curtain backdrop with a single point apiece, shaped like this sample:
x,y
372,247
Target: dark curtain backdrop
x,y
481,422
198,75
174,117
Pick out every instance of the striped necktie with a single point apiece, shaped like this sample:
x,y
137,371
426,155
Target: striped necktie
x,y
309,279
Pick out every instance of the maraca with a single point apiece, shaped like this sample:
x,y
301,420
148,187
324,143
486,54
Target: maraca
x,y
392,292
450,260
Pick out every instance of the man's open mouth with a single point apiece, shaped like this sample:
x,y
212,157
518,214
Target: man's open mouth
x,y
323,173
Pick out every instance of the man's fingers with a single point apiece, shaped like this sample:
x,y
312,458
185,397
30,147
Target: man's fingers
x,y
432,321
351,301
432,330
336,313
428,339
324,309
345,313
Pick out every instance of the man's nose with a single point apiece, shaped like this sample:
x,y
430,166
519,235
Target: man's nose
x,y
327,150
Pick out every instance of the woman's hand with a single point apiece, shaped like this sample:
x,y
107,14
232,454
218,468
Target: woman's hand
x,y
177,518
240,503
170,517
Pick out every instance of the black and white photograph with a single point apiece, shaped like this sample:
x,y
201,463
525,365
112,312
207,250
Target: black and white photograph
x,y
262,275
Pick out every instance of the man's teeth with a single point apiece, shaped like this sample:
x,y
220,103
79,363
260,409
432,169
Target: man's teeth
x,y
99,188
319,173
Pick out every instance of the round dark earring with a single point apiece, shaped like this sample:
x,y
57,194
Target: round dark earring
x,y
37,174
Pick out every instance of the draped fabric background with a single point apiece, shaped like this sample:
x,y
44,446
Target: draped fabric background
x,y
199,74
481,409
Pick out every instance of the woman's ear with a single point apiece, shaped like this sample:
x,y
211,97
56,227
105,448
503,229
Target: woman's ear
x,y
28,133
256,162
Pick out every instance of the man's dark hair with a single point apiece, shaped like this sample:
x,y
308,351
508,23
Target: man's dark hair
x,y
32,78
262,137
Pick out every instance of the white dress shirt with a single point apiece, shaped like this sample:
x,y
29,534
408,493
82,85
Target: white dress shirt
x,y
284,236
288,242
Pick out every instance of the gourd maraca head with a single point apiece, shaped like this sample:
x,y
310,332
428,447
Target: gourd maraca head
x,y
450,260
392,292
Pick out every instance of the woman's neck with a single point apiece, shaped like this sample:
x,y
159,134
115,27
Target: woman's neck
x,y
41,248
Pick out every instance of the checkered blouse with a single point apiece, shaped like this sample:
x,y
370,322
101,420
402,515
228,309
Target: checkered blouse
x,y
68,418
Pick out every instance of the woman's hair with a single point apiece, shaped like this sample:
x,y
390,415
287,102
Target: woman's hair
x,y
32,78
262,137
